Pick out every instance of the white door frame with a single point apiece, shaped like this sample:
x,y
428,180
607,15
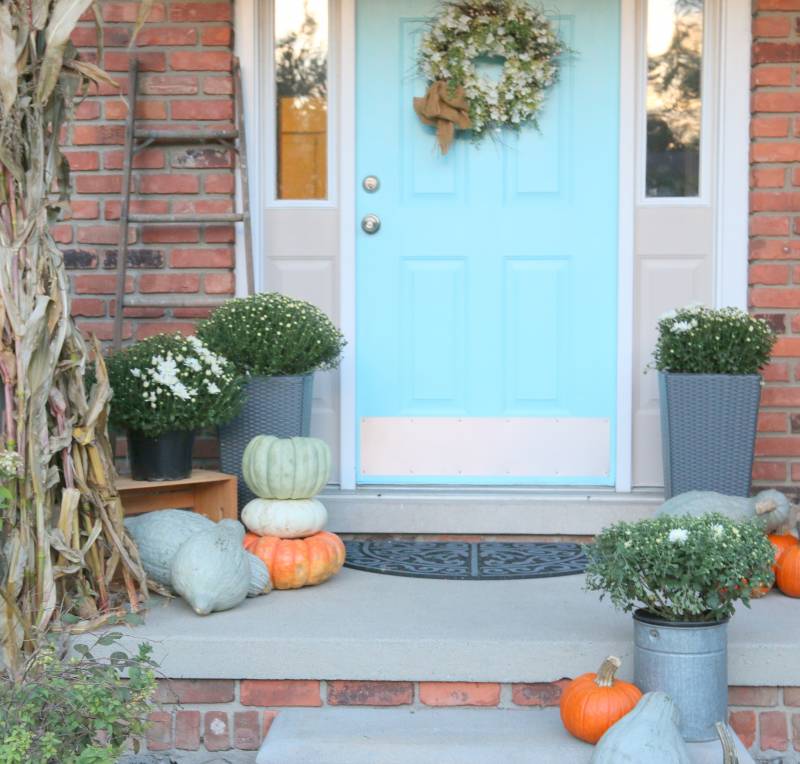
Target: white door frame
x,y
732,186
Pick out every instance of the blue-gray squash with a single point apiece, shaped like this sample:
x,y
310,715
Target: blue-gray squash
x,y
646,735
771,507
260,580
211,570
159,535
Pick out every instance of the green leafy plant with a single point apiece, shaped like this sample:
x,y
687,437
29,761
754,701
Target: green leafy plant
x,y
680,568
76,710
700,340
272,335
170,382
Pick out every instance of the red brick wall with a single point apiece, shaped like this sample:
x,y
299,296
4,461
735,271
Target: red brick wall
x,y
185,82
775,230
185,53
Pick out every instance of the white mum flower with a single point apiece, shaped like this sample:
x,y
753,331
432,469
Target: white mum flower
x,y
181,391
681,327
717,530
136,373
669,315
678,535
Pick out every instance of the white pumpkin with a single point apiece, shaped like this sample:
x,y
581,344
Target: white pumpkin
x,y
260,580
286,468
285,518
211,570
159,535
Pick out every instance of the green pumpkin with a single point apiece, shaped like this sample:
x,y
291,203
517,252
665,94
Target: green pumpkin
x,y
647,734
286,468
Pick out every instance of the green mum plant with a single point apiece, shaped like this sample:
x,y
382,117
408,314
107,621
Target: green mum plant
x,y
680,568
170,382
273,335
76,710
700,340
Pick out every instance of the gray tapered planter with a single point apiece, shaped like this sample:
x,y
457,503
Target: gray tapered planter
x,y
708,431
278,406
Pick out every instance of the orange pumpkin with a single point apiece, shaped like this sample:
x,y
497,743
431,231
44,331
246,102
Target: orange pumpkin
x,y
592,703
781,542
294,563
788,574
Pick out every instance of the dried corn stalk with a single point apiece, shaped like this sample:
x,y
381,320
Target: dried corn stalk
x,y
62,539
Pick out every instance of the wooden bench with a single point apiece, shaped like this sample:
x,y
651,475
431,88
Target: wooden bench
x,y
209,493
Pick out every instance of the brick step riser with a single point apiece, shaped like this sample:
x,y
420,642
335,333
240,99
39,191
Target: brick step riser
x,y
213,715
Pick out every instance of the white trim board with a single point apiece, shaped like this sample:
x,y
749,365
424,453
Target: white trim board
x,y
626,247
730,283
247,20
733,183
347,243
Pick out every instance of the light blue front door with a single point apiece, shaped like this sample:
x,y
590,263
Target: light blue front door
x,y
486,303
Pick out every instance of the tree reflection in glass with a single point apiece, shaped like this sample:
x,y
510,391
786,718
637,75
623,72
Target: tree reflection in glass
x,y
674,88
301,85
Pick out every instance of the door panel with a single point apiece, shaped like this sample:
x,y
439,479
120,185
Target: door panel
x,y
489,293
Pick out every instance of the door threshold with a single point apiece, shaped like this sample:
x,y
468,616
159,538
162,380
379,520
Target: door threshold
x,y
485,510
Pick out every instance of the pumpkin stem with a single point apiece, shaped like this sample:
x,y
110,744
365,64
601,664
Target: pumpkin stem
x,y
606,672
766,505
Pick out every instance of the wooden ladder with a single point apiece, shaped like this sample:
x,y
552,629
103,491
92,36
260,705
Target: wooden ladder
x,y
138,139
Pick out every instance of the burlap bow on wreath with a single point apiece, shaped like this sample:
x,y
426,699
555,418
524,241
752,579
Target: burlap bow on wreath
x,y
445,111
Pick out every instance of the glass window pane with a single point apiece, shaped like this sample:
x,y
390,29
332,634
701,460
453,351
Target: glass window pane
x,y
301,85
674,86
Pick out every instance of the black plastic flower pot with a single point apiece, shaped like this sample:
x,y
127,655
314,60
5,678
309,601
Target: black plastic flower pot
x,y
165,457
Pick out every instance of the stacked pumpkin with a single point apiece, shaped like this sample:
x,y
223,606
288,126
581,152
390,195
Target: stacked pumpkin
x,y
285,521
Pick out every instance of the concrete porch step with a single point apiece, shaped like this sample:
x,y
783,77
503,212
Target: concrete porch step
x,y
435,736
494,511
375,627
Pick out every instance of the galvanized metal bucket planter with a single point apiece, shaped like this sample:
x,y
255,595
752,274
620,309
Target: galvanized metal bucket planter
x,y
708,431
278,406
689,662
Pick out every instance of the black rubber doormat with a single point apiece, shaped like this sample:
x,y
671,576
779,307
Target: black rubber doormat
x,y
482,561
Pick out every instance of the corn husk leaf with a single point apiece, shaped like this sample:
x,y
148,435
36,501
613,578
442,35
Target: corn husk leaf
x,y
63,18
8,60
62,537
39,9
145,6
93,72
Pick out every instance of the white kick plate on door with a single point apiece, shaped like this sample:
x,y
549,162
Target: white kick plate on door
x,y
523,447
